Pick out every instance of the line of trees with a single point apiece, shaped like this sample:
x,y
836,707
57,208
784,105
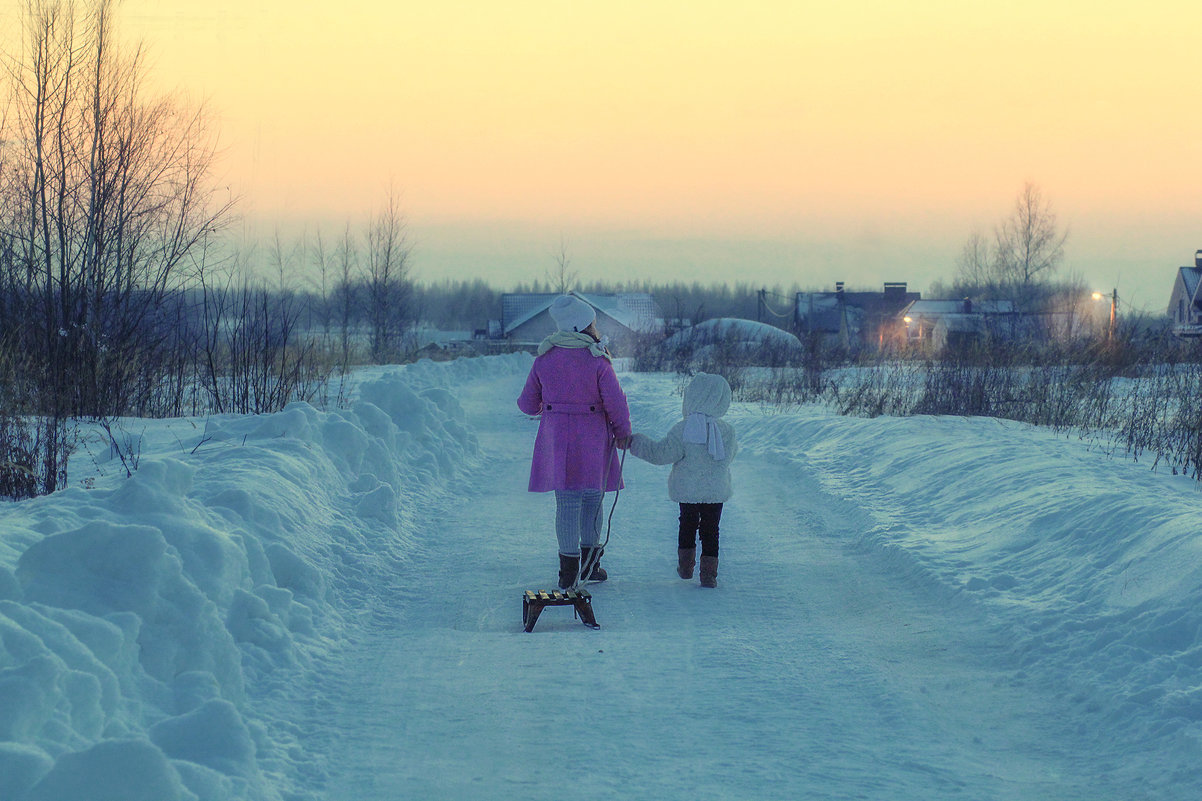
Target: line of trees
x,y
105,199
465,305
120,291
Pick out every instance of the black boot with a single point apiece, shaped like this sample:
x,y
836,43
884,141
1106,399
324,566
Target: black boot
x,y
569,569
590,561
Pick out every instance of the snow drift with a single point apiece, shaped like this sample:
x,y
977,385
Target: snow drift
x,y
150,628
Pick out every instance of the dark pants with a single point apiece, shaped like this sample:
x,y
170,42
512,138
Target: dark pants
x,y
703,518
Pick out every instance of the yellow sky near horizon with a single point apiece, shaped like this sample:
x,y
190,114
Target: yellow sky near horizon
x,y
752,119
673,108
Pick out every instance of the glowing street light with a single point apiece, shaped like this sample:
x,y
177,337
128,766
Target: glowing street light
x,y
1114,308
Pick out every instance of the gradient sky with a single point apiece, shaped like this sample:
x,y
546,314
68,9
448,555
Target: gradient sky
x,y
770,142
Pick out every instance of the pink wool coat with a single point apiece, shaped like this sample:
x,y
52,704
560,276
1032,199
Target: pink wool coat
x,y
582,411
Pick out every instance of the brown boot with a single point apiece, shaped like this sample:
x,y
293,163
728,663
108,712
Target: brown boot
x,y
687,559
709,571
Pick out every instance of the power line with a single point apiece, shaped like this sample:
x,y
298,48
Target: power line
x,y
764,305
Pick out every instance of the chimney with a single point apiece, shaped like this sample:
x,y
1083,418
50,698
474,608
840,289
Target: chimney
x,y
1198,258
968,305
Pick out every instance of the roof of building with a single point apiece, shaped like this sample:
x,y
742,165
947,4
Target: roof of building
x,y
973,323
517,308
634,310
933,308
1190,278
893,297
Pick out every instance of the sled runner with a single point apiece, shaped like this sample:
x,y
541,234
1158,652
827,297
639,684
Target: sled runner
x,y
535,601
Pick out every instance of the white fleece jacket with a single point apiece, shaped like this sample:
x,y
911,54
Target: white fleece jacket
x,y
696,477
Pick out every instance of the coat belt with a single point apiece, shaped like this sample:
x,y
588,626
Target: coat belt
x,y
574,408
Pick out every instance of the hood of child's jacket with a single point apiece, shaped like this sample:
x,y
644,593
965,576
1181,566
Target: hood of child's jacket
x,y
708,394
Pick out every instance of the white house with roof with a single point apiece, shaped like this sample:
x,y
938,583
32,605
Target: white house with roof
x,y
1185,304
526,319
950,323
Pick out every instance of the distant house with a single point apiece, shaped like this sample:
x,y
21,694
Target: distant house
x,y
940,324
852,319
1185,304
526,318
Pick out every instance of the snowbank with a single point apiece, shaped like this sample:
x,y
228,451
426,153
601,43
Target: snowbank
x,y
749,337
1092,566
152,629
733,331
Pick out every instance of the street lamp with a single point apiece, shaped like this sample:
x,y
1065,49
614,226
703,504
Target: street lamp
x,y
1114,309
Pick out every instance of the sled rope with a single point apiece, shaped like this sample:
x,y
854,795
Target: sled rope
x,y
587,567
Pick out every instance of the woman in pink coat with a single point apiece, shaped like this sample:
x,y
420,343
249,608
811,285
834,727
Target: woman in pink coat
x,y
583,417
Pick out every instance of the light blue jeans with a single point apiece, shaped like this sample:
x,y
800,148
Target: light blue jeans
x,y
577,519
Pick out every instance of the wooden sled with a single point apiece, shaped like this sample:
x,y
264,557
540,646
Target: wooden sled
x,y
535,601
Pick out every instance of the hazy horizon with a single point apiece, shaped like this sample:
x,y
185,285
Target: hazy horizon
x,y
664,140
508,253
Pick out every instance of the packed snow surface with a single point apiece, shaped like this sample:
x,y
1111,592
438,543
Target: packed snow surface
x,y
327,605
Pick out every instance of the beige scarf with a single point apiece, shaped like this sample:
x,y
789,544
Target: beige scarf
x,y
573,339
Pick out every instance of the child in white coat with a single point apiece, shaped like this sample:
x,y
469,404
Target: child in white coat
x,y
700,448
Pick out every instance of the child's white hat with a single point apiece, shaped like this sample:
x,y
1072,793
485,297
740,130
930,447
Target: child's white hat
x,y
708,394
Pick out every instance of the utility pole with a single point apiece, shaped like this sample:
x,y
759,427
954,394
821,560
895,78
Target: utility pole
x,y
844,333
1114,312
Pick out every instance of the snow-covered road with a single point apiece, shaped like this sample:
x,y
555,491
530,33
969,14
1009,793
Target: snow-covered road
x,y
326,606
814,671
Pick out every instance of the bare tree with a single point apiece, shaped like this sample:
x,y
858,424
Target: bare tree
x,y
283,259
322,260
347,262
1029,245
974,265
561,279
389,288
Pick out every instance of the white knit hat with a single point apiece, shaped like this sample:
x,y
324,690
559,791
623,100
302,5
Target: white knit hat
x,y
571,313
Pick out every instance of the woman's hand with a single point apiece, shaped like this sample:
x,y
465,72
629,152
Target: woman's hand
x,y
622,442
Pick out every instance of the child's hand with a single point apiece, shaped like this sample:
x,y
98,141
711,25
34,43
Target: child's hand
x,y
622,442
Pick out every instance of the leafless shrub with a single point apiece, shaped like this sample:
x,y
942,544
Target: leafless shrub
x,y
254,355
886,387
28,440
